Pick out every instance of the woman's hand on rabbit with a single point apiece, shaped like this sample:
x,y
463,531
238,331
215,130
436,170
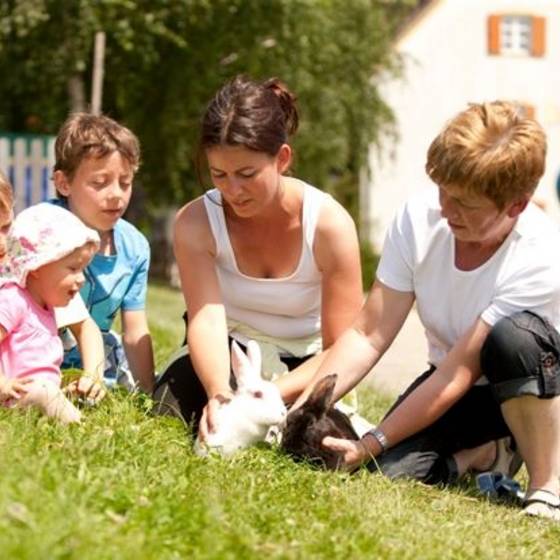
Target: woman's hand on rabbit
x,y
352,452
208,419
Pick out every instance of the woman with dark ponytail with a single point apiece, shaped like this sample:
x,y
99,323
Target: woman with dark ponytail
x,y
261,256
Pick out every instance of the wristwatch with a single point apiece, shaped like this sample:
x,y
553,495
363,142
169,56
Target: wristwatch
x,y
380,437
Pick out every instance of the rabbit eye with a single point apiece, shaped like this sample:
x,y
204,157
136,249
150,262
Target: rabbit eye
x,y
258,394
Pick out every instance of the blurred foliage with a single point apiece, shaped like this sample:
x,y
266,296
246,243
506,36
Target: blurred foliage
x,y
369,260
165,59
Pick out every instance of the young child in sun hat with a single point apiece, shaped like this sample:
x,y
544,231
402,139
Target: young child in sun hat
x,y
48,249
73,317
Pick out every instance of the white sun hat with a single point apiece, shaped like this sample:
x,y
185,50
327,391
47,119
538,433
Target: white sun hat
x,y
42,234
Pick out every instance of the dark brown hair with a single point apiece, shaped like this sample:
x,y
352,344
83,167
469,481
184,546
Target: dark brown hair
x,y
257,115
86,135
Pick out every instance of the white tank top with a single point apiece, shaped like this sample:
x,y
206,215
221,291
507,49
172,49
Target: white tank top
x,y
288,307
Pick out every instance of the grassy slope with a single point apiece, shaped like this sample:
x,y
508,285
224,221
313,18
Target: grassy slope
x,y
126,485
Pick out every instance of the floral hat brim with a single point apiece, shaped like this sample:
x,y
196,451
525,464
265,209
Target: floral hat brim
x,y
40,235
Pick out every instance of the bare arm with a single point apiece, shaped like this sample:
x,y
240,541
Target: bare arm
x,y
207,333
452,379
10,388
361,346
90,343
137,343
428,402
294,383
337,254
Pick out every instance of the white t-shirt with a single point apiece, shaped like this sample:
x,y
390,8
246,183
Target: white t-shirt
x,y
74,312
419,256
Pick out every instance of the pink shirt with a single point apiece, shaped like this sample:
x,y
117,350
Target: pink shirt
x,y
31,345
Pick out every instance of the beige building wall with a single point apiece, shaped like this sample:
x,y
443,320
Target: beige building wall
x,y
446,66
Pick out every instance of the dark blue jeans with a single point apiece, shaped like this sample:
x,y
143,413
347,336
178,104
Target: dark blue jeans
x,y
521,356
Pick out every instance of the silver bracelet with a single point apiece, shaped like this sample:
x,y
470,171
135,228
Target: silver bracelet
x,y
380,437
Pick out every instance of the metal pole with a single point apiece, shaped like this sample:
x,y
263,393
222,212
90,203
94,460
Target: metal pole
x,y
98,69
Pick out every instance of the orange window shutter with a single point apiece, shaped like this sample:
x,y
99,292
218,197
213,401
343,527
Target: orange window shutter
x,y
538,46
493,34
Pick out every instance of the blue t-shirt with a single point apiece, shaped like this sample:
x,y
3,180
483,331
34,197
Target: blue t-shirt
x,y
117,282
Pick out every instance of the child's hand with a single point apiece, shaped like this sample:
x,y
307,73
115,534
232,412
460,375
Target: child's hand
x,y
13,388
86,387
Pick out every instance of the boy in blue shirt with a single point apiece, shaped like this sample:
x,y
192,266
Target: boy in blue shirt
x,y
96,159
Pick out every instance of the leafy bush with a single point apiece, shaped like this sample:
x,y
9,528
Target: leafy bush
x,y
370,260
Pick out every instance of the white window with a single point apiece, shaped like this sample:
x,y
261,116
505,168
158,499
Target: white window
x,y
515,35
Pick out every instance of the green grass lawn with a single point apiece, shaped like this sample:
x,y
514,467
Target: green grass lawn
x,y
125,484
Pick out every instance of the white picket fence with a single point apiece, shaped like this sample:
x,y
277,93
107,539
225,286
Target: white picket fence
x,y
27,161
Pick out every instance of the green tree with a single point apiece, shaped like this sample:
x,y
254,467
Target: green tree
x,y
165,59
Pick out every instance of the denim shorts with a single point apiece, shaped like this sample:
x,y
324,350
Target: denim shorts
x,y
116,370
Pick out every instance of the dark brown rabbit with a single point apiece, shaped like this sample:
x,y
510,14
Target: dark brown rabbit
x,y
315,419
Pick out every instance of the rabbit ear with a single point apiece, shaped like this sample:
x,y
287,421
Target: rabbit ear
x,y
254,354
242,365
320,398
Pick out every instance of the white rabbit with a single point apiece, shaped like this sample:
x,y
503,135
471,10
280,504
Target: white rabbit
x,y
255,406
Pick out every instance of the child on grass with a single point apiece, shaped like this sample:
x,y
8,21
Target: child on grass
x,y
75,316
96,159
47,251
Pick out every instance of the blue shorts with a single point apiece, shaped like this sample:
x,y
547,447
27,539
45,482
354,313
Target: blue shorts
x,y
116,371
